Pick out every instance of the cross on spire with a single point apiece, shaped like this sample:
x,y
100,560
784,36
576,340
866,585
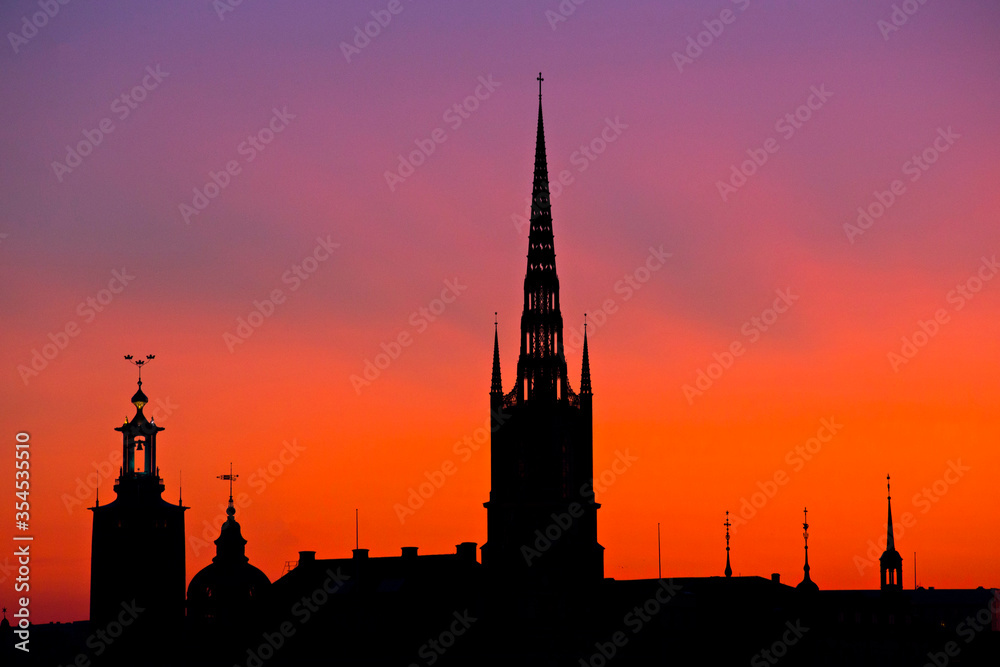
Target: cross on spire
x,y
540,79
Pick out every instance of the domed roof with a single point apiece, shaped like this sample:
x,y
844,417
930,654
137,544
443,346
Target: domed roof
x,y
225,588
139,398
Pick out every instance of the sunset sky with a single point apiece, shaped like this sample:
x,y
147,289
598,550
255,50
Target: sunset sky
x,y
651,109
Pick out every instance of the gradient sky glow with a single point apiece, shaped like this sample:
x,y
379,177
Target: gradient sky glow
x,y
323,177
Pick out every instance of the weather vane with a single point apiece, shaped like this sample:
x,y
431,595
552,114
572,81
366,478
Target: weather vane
x,y
139,363
230,478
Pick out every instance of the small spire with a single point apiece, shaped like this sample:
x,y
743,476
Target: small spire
x,y
729,569
496,386
806,584
890,540
585,372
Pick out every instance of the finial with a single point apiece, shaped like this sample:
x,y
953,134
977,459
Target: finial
x,y
139,363
585,322
496,321
231,477
887,489
540,79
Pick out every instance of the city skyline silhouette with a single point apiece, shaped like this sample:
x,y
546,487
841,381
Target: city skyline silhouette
x,y
774,309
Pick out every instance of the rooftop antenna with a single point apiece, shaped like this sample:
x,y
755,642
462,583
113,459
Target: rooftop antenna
x,y
357,541
180,488
914,570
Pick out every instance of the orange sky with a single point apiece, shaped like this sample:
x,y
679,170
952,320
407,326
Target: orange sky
x,y
931,422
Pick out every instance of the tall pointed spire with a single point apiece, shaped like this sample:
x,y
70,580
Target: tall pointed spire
x,y
496,386
541,366
890,539
890,562
585,372
729,569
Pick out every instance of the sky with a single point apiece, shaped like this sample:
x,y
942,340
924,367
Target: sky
x,y
780,218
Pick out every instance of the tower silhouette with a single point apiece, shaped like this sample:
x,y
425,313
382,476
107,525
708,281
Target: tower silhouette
x,y
806,584
890,562
137,548
541,514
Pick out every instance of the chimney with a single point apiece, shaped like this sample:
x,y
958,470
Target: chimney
x,y
306,557
360,554
466,551
776,578
409,552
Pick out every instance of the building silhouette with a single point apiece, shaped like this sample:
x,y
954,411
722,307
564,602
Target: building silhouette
x,y
137,547
223,594
539,596
542,451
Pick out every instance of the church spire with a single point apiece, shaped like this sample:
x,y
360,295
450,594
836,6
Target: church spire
x,y
890,538
890,562
541,365
806,584
729,569
585,372
496,386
